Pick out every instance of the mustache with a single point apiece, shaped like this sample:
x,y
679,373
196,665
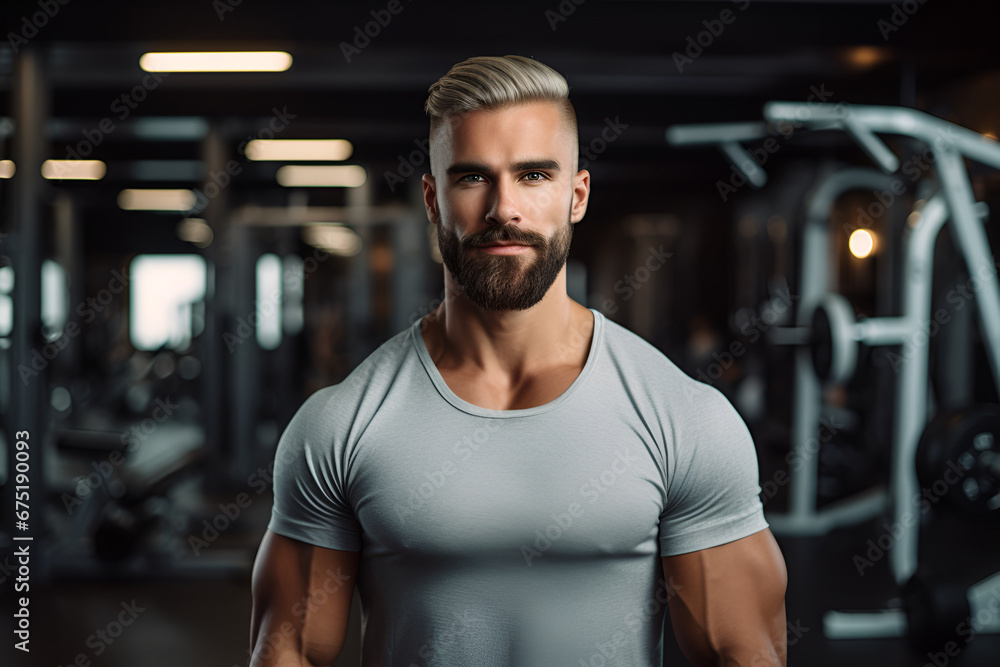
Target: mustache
x,y
507,233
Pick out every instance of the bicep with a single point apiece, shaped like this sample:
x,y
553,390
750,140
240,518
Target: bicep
x,y
301,601
729,600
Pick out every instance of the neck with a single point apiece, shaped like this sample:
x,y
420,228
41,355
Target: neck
x,y
508,344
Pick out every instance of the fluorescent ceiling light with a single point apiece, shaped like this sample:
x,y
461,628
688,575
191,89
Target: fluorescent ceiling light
x,y
299,149
338,176
333,237
6,168
216,61
156,200
74,170
196,231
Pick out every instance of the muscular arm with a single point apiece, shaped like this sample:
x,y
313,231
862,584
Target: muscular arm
x,y
301,603
727,603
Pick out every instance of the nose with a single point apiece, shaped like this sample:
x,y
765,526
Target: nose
x,y
503,206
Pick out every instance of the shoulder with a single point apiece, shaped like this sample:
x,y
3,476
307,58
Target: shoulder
x,y
629,350
644,368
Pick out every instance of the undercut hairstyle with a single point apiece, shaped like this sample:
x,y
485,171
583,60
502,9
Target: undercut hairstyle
x,y
487,83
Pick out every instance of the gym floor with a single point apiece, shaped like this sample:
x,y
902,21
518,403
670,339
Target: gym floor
x,y
206,623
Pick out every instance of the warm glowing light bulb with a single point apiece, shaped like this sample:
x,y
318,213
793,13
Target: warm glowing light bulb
x,y
861,243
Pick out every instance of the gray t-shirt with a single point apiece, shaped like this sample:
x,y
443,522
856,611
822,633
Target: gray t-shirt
x,y
516,537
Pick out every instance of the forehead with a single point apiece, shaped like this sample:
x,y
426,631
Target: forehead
x,y
530,128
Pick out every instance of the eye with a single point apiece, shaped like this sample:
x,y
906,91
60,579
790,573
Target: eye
x,y
467,177
531,174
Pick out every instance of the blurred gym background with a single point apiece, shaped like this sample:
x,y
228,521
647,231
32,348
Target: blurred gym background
x,y
179,270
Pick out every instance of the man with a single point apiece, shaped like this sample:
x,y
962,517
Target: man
x,y
515,480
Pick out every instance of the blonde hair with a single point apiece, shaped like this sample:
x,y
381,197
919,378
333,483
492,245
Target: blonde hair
x,y
494,82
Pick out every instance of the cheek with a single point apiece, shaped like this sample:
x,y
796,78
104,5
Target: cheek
x,y
549,203
463,203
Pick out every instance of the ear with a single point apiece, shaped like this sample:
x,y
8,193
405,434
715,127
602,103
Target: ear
x,y
581,195
430,198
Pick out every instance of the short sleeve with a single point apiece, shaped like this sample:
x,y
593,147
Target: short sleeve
x,y
713,491
310,479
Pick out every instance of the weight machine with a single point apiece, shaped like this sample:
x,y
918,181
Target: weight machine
x,y
815,281
830,336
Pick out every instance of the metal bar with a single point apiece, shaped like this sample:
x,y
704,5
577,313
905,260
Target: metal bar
x,y
911,395
816,243
744,163
26,420
715,133
884,330
974,244
874,147
935,132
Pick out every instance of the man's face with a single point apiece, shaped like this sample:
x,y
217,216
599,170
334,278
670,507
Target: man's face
x,y
506,176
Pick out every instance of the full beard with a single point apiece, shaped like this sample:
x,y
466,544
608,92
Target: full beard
x,y
505,282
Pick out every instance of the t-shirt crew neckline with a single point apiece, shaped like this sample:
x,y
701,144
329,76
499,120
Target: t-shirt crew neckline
x,y
471,408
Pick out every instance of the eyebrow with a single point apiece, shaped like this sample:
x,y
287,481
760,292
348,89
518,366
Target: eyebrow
x,y
528,165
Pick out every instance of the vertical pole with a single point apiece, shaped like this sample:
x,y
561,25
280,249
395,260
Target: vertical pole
x,y
412,253
359,296
211,346
25,422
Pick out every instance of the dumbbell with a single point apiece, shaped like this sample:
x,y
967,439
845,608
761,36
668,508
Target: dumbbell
x,y
959,453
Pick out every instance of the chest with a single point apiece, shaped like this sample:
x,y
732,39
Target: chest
x,y
518,489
